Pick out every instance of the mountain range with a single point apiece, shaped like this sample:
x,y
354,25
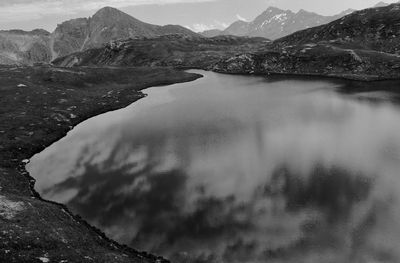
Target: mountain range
x,y
370,29
275,23
108,24
364,45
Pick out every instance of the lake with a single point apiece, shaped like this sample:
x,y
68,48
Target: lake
x,y
239,169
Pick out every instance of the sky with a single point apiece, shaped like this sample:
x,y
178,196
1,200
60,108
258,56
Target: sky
x,y
198,15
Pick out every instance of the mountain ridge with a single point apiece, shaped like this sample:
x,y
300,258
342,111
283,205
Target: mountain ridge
x,y
364,45
275,23
107,24
372,28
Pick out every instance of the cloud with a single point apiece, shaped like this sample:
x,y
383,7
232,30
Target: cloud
x,y
26,10
241,18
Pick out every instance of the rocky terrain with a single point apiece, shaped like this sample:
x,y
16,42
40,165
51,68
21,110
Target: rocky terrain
x,y
363,45
318,60
39,106
373,29
22,47
18,47
106,25
172,50
274,23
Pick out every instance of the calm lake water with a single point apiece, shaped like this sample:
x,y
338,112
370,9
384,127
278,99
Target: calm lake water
x,y
239,169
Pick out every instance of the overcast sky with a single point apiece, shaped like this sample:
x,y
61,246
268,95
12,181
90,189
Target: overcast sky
x,y
196,14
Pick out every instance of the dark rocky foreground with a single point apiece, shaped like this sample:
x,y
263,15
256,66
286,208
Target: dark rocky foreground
x,y
39,106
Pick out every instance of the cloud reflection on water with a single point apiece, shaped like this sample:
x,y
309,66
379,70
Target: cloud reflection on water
x,y
237,169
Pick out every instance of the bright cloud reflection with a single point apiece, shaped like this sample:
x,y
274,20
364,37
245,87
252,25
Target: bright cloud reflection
x,y
238,169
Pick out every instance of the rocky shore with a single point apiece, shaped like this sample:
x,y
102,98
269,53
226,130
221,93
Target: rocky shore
x,y
39,106
316,60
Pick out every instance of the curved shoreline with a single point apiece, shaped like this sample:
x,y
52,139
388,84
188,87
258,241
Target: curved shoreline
x,y
99,247
99,102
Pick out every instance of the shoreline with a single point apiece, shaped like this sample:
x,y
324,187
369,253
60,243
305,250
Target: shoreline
x,y
87,244
16,166
340,77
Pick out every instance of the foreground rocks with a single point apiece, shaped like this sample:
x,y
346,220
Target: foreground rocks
x,y
39,105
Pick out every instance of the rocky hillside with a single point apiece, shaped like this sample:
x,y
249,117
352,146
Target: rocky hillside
x,y
274,23
211,33
106,25
171,50
363,46
374,29
318,60
22,47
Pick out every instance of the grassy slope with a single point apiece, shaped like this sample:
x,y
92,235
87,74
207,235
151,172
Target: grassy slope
x,y
173,51
372,29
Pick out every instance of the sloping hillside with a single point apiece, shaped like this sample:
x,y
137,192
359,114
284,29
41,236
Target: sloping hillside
x,y
318,60
171,50
22,47
374,28
363,45
211,33
106,25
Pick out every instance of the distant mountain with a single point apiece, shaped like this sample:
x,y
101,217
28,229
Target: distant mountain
x,y
23,47
381,4
274,23
364,45
106,25
237,28
211,33
342,14
373,29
